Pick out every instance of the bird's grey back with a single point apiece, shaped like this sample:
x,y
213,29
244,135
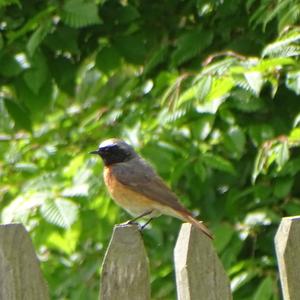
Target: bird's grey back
x,y
140,177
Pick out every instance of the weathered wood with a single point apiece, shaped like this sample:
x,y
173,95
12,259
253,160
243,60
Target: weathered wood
x,y
20,275
125,270
287,245
199,273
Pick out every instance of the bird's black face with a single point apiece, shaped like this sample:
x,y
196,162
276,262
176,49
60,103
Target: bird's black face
x,y
113,153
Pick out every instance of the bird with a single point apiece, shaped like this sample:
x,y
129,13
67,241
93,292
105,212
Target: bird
x,y
135,186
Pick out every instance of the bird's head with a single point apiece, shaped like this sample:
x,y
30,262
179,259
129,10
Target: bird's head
x,y
115,151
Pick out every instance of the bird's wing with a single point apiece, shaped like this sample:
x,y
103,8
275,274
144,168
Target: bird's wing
x,y
137,175
141,178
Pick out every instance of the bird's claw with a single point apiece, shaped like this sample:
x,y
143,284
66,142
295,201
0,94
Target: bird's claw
x,y
130,222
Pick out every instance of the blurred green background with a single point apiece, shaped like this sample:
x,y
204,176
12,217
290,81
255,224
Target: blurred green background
x,y
207,91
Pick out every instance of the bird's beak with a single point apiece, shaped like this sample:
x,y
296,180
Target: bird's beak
x,y
94,152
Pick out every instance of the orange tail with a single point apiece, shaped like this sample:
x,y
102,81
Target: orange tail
x,y
198,225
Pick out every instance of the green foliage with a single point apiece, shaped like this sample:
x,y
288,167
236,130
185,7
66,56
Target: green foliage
x,y
208,91
79,13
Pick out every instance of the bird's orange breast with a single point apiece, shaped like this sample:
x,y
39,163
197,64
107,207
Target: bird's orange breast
x,y
135,203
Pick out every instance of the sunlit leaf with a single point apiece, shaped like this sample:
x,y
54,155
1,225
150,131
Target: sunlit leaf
x,y
60,212
294,137
282,154
259,164
293,81
203,87
255,81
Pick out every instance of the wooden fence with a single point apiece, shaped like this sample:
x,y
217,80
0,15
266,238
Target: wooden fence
x,y
125,271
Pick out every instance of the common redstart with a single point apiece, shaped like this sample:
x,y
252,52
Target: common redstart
x,y
136,187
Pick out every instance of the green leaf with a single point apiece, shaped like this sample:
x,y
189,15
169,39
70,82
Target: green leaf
x,y
187,96
30,168
80,13
200,171
22,207
36,103
292,206
37,75
245,101
219,163
156,58
283,46
191,44
38,36
265,290
63,39
220,88
259,163
4,3
203,87
76,191
223,234
220,67
64,72
131,47
203,126
108,59
293,81
60,212
255,81
241,279
283,187
294,137
18,114
31,23
127,14
63,242
282,154
260,133
290,16
234,141
10,67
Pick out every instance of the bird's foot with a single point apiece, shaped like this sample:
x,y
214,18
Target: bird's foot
x,y
144,225
130,222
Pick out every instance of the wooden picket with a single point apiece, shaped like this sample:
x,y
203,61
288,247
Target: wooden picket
x,y
20,275
287,245
199,272
125,271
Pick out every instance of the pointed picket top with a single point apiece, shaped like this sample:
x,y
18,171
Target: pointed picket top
x,y
199,272
125,269
20,274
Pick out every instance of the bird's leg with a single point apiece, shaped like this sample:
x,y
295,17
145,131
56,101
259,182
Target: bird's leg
x,y
143,226
146,213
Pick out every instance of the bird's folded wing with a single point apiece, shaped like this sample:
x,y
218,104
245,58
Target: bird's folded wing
x,y
141,178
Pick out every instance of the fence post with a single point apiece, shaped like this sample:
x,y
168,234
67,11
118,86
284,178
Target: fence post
x,y
20,275
199,272
287,245
125,269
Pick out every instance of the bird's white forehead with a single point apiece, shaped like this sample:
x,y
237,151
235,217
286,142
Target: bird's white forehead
x,y
107,143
